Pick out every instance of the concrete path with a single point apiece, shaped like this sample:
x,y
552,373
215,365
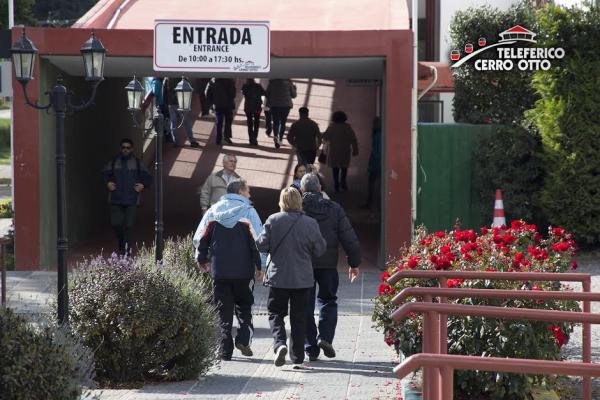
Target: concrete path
x,y
361,370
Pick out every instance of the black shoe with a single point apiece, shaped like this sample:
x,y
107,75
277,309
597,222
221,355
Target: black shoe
x,y
313,358
277,145
218,142
225,358
268,132
228,140
280,358
246,350
327,348
194,144
298,366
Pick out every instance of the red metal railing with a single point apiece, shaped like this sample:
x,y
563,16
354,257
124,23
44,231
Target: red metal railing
x,y
436,324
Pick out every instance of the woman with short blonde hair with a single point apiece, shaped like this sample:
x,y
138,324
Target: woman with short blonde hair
x,y
292,239
290,200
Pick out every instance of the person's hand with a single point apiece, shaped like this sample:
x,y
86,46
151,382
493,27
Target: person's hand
x,y
138,187
260,276
203,267
111,186
353,274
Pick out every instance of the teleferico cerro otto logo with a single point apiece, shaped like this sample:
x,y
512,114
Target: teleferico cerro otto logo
x,y
524,58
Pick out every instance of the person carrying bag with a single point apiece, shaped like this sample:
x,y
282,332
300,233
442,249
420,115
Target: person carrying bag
x,y
291,239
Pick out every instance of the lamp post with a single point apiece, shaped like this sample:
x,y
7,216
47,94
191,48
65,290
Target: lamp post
x,y
60,101
135,94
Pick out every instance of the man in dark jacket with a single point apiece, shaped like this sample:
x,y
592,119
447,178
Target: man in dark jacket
x,y
221,94
228,232
335,228
125,177
253,93
305,137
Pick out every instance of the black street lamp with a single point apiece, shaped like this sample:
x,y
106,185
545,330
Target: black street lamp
x,y
135,94
60,101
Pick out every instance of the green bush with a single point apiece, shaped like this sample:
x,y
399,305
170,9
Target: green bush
x,y
6,210
4,133
40,361
568,118
509,160
498,97
146,321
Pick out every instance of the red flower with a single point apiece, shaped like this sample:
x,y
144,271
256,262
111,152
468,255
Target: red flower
x,y
445,249
484,231
455,282
516,225
383,277
559,335
440,234
413,262
573,264
509,239
399,267
560,246
384,288
558,232
490,269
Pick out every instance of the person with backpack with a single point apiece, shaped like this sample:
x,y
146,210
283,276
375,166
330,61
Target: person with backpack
x,y
125,177
292,239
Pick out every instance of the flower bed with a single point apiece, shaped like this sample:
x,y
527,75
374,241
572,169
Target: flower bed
x,y
518,248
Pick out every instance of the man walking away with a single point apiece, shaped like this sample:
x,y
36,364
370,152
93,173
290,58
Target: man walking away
x,y
228,232
305,137
335,228
253,93
280,93
125,177
221,94
215,185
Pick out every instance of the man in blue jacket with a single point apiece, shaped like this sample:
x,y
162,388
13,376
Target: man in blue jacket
x,y
125,177
227,232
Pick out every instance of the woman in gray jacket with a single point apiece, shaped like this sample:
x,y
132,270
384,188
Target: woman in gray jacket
x,y
292,239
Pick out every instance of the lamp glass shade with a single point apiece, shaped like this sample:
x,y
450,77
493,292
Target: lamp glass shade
x,y
184,95
135,94
23,57
93,54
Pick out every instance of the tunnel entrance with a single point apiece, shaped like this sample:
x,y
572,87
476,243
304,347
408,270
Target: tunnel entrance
x,y
351,85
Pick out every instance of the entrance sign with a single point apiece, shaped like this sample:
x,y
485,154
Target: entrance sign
x,y
212,46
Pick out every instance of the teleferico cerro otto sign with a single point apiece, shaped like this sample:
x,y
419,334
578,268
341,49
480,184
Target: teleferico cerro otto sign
x,y
212,46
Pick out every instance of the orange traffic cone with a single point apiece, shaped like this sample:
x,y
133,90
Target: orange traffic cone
x,y
499,219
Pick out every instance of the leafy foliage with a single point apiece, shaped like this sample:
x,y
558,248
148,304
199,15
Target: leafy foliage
x,y
61,12
568,118
145,321
509,159
498,97
23,13
40,361
518,248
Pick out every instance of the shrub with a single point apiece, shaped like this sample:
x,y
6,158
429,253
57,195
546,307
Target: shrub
x,y
6,208
568,118
41,361
518,248
509,160
498,97
146,321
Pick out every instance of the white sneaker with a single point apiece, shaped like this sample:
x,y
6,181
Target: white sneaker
x,y
281,352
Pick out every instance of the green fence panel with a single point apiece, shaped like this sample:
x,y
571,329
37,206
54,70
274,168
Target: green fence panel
x,y
445,172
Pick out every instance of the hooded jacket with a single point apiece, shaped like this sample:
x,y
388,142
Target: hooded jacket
x,y
227,234
335,228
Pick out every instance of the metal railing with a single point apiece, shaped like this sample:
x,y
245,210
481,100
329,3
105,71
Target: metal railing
x,y
435,323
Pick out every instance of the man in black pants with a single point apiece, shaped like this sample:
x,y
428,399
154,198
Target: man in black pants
x,y
221,94
228,231
125,177
336,229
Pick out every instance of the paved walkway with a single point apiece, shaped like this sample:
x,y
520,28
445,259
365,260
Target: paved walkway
x,y
361,370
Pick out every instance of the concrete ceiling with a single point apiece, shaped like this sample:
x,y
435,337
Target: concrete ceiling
x,y
325,68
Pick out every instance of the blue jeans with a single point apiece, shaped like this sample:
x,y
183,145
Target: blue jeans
x,y
326,297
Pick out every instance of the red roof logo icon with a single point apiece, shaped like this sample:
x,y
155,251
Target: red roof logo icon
x,y
517,32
